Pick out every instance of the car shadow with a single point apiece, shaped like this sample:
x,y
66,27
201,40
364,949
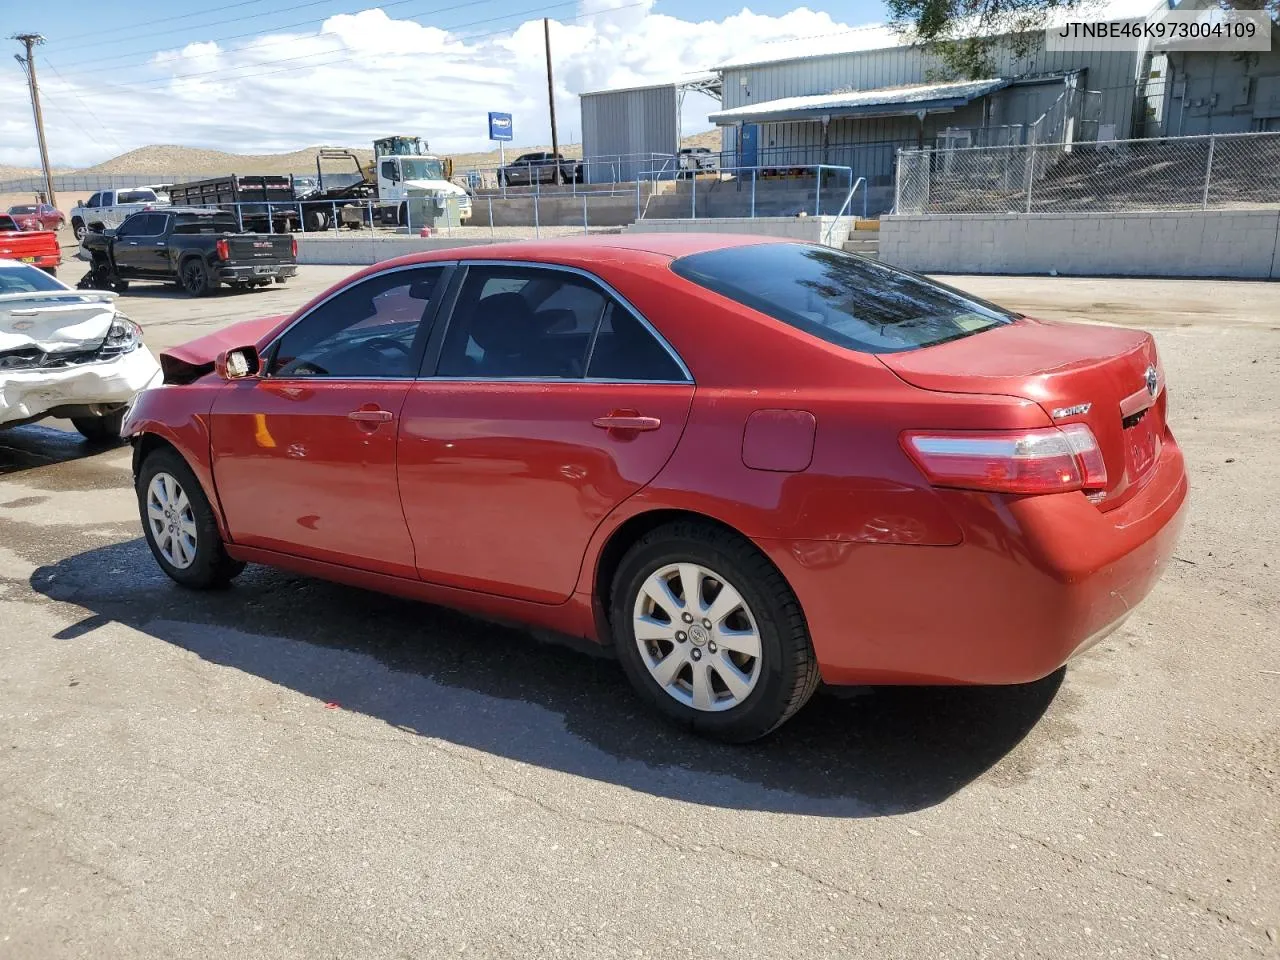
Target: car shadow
x,y
562,706
38,445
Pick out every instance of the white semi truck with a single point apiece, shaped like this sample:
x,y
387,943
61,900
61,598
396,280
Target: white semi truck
x,y
402,170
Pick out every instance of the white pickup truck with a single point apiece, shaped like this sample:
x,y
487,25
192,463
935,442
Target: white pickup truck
x,y
110,207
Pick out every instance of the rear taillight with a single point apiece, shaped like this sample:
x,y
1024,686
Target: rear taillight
x,y
1050,460
293,247
223,249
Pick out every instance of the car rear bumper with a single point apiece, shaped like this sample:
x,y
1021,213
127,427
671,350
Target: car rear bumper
x,y
257,272
27,395
1035,581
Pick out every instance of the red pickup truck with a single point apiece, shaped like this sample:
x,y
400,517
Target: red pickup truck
x,y
38,247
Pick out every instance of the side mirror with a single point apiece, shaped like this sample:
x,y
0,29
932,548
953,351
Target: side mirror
x,y
237,364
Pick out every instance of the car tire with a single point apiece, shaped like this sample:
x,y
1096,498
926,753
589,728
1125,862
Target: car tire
x,y
314,221
775,669
281,279
78,228
194,275
186,542
101,430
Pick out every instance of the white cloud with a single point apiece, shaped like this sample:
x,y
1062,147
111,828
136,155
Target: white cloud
x,y
365,75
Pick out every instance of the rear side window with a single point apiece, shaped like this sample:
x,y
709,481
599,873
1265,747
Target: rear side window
x,y
842,299
198,224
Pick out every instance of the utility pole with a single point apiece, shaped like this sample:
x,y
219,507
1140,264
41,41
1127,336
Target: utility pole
x,y
29,64
551,99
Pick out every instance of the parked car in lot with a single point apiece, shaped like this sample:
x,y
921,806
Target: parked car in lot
x,y
37,216
695,160
67,354
110,208
39,248
539,167
749,465
197,248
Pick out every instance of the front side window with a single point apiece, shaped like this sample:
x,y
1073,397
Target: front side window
x,y
845,300
514,322
389,170
95,200
132,226
369,330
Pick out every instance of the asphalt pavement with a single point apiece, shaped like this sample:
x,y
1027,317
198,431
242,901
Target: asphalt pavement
x,y
291,768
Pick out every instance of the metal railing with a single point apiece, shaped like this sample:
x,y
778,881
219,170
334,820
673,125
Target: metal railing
x,y
1218,171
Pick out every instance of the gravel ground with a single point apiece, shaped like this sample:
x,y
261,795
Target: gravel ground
x,y
296,769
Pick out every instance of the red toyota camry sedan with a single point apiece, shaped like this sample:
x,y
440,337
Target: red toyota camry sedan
x,y
747,465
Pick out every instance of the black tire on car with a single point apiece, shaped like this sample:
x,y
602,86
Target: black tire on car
x,y
200,562
194,274
314,220
78,228
102,429
770,687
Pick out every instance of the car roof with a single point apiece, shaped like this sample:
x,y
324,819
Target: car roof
x,y
669,246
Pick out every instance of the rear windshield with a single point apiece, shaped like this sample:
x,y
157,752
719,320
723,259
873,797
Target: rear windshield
x,y
843,299
135,196
20,278
199,224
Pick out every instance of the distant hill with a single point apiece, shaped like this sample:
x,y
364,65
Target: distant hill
x,y
163,159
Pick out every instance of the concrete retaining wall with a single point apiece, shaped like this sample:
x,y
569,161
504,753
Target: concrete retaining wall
x,y
1212,243
513,211
812,229
364,249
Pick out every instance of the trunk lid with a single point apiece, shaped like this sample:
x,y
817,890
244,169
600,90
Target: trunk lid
x,y
53,323
260,247
1061,367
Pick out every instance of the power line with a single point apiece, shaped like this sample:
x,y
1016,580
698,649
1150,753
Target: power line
x,y
98,34
241,36
232,73
72,90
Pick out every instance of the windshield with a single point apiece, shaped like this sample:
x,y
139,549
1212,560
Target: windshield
x,y
843,299
23,208
421,169
135,196
20,278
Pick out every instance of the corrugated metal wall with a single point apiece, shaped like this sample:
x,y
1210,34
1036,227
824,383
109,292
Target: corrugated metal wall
x,y
1211,93
869,145
622,128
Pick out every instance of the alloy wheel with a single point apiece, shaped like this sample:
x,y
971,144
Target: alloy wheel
x,y
172,521
697,637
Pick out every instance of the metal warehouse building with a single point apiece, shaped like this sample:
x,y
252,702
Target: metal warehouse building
x,y
854,99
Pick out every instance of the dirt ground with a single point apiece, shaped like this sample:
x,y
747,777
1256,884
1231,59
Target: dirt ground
x,y
295,769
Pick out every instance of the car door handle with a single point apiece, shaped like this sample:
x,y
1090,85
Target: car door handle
x,y
370,416
133,243
620,421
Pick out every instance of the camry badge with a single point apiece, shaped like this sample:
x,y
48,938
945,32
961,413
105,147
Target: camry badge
x,y
1080,409
1153,380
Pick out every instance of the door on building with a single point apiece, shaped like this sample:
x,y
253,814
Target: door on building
x,y
749,148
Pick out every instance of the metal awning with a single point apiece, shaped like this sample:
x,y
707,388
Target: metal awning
x,y
885,102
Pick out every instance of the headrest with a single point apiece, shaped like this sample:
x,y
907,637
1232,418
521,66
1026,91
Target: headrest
x,y
502,323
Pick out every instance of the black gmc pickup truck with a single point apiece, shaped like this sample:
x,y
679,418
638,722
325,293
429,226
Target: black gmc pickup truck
x,y
197,248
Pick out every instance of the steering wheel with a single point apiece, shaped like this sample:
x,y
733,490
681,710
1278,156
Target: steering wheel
x,y
378,343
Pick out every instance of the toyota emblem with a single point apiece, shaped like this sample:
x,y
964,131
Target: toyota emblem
x,y
1153,380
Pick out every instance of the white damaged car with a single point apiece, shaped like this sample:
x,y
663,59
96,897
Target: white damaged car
x,y
67,353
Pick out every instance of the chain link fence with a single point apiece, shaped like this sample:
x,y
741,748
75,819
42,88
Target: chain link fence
x,y
1221,171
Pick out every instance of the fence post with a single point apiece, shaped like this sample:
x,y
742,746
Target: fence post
x,y
693,197
584,214
490,216
1031,171
753,192
239,218
334,222
817,194
1208,174
536,227
637,196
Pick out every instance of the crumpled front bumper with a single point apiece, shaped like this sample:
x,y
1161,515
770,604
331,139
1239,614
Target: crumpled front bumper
x,y
28,394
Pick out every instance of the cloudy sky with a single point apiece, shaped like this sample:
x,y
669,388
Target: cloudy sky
x,y
276,75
